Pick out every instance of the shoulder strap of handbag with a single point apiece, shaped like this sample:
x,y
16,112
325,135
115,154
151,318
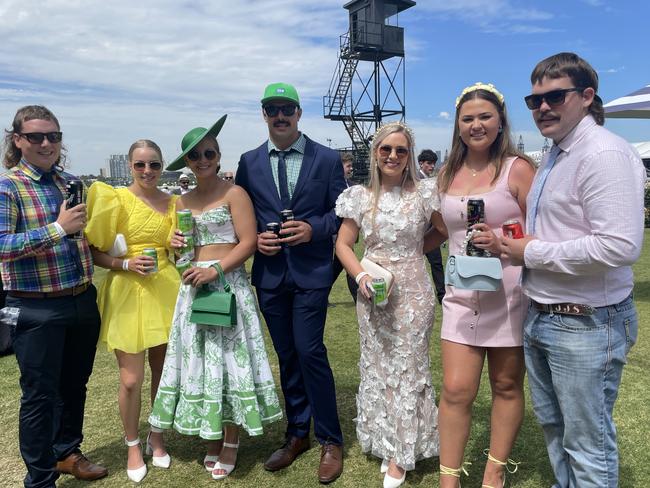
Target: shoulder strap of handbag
x,y
222,277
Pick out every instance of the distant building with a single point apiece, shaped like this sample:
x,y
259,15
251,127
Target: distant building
x,y
102,172
118,166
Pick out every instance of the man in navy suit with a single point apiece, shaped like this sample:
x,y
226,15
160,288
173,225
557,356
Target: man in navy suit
x,y
292,273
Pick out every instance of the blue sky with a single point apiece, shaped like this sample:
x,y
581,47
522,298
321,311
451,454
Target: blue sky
x,y
117,71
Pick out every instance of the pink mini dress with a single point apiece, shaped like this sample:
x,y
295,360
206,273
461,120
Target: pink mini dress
x,y
484,318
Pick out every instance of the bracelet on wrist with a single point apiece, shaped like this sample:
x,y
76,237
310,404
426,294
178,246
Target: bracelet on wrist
x,y
358,277
125,264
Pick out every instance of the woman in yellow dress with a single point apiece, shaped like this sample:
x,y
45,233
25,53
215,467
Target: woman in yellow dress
x,y
136,301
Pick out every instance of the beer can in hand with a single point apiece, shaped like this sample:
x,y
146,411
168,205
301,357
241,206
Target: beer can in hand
x,y
475,215
274,227
152,253
75,196
186,226
512,229
183,264
286,215
380,294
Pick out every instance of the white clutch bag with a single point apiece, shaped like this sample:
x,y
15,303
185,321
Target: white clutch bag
x,y
377,271
119,247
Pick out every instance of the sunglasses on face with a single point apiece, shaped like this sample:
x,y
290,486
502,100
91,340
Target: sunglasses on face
x,y
386,150
195,155
38,137
153,165
274,110
228,178
553,98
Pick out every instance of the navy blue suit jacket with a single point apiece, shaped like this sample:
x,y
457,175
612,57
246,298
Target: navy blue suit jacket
x,y
319,184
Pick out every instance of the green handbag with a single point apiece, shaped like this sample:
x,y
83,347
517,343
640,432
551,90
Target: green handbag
x,y
213,307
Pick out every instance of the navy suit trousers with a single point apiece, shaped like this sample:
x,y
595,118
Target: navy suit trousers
x,y
296,321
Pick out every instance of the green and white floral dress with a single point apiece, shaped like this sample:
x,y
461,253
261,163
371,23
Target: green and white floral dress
x,y
216,375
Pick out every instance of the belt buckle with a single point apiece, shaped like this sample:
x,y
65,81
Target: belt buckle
x,y
571,309
78,290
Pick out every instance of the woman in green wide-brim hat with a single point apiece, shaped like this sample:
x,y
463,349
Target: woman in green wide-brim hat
x,y
216,379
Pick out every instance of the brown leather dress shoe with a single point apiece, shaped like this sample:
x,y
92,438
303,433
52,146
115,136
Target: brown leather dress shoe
x,y
78,466
331,463
290,450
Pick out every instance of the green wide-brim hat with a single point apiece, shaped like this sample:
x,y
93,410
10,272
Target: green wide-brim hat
x,y
191,139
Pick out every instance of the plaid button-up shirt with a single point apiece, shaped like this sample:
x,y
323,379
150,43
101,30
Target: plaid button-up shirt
x,y
34,256
293,160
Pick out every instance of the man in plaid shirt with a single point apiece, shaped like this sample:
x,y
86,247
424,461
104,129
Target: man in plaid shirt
x,y
51,302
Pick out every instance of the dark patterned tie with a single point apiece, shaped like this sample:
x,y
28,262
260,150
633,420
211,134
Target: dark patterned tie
x,y
282,179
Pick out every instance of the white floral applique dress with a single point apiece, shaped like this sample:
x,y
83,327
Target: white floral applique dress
x,y
216,375
396,412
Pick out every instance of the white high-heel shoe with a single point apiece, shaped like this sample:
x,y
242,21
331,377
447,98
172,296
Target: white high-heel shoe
x,y
136,475
158,461
228,468
384,466
210,459
390,482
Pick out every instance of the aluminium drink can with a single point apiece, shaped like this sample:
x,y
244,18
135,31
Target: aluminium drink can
x,y
185,221
380,295
286,215
75,196
512,228
183,264
186,226
152,253
475,215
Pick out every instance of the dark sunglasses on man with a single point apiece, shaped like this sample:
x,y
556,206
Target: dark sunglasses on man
x,y
39,137
195,155
274,110
553,98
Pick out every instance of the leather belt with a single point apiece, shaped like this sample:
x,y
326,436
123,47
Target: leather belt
x,y
75,290
564,308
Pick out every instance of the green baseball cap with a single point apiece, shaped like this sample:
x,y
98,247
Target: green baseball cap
x,y
281,91
192,138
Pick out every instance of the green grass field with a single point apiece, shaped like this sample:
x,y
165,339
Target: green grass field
x,y
104,443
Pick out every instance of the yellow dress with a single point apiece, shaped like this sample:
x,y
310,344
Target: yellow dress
x,y
136,310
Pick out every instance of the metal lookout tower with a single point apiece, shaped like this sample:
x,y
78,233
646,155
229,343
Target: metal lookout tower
x,y
368,84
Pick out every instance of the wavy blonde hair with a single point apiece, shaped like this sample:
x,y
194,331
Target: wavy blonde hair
x,y
409,176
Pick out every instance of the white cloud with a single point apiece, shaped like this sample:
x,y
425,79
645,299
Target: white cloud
x,y
122,70
444,115
496,16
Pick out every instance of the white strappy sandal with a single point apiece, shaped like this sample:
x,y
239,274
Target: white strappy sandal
x,y
228,468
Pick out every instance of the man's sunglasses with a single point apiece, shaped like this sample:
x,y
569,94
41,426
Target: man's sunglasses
x,y
386,150
228,178
195,155
274,110
553,98
153,165
38,137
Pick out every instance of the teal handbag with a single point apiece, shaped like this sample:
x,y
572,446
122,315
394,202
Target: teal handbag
x,y
214,307
473,272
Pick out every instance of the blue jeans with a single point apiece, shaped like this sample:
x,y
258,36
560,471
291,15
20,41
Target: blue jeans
x,y
574,366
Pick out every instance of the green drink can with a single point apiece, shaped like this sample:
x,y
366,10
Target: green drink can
x,y
152,253
380,297
183,264
185,221
186,226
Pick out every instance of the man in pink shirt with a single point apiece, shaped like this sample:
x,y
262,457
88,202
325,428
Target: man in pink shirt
x,y
584,232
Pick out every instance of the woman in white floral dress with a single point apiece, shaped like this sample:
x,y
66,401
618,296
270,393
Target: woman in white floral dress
x,y
215,380
396,411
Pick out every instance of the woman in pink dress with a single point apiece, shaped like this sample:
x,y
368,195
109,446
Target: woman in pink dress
x,y
483,163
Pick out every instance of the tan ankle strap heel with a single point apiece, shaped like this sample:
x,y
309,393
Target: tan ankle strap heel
x,y
510,466
444,470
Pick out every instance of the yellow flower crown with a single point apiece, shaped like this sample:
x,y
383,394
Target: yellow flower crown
x,y
480,86
396,124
